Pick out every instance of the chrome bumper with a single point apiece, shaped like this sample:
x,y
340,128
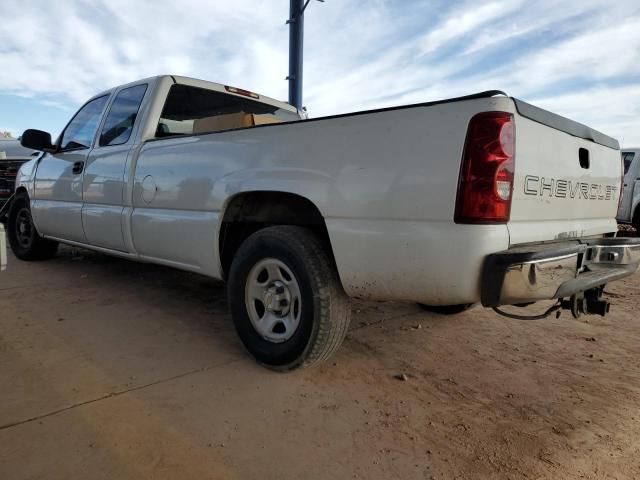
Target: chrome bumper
x,y
556,270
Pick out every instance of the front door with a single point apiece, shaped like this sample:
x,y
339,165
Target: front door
x,y
57,201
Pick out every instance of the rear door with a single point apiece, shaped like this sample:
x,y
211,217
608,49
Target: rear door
x,y
630,165
57,202
104,177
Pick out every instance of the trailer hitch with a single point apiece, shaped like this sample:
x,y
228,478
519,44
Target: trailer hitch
x,y
589,302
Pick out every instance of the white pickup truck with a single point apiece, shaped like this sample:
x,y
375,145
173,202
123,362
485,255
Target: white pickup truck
x,y
482,198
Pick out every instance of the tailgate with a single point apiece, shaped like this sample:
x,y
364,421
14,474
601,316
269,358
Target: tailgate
x,y
567,179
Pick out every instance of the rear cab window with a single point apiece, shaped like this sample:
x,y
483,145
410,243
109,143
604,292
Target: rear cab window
x,y
191,110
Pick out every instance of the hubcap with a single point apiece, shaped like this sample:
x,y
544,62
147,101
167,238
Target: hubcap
x,y
24,228
273,301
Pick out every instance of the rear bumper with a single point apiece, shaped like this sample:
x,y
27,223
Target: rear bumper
x,y
556,270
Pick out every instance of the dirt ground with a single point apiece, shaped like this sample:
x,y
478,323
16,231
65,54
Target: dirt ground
x,y
117,370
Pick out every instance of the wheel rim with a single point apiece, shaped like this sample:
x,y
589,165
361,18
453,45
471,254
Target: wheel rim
x,y
24,228
273,300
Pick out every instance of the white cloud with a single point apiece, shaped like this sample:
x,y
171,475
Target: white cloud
x,y
588,56
358,54
73,49
464,19
588,106
576,51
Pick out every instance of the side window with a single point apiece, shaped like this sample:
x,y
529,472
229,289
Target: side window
x,y
627,158
122,115
190,110
80,131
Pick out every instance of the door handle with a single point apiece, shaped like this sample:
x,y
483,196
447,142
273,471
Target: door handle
x,y
78,167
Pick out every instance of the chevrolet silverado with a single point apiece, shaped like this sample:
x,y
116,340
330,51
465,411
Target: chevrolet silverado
x,y
482,198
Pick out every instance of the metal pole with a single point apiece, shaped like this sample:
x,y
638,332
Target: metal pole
x,y
296,33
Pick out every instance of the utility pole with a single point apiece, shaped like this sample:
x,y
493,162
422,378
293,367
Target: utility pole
x,y
296,35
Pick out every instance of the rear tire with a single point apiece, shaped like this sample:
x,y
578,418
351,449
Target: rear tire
x,y
286,300
25,241
446,309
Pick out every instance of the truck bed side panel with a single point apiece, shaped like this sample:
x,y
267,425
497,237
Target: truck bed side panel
x,y
384,179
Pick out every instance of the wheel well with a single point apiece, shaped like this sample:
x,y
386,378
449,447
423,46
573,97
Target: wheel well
x,y
249,212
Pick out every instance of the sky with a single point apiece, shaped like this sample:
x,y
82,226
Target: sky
x,y
578,58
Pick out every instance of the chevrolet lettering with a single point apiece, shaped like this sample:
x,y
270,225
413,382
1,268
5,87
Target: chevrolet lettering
x,y
560,188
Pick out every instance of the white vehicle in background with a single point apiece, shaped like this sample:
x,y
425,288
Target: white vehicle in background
x,y
629,211
483,198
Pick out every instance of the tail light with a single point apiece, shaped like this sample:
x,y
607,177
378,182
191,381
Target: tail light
x,y
486,179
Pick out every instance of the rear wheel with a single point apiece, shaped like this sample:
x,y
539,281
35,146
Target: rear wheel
x,y
26,243
286,300
446,309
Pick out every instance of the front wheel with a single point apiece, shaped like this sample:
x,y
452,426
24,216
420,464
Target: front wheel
x,y
26,243
286,299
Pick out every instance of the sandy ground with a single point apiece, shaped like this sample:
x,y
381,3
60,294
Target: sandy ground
x,y
116,370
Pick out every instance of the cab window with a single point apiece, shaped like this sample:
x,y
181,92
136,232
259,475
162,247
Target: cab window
x,y
627,159
122,115
82,128
191,110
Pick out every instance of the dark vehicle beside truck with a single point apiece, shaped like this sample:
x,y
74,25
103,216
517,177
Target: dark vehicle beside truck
x,y
12,156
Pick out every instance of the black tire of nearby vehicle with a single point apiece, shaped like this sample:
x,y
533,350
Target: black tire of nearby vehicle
x,y
636,221
446,309
325,307
37,248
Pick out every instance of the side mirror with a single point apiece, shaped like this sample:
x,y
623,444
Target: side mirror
x,y
37,140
